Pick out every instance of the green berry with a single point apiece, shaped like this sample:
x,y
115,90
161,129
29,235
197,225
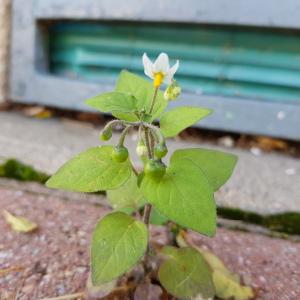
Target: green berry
x,y
119,154
160,151
155,169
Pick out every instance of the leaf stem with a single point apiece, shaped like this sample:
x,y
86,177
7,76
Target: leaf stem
x,y
123,135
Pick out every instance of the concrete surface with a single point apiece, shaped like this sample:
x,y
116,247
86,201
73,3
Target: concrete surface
x,y
266,183
4,46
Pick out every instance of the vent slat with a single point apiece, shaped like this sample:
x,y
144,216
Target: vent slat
x,y
229,62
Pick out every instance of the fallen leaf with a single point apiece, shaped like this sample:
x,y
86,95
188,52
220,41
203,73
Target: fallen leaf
x,y
227,284
19,224
39,112
228,288
269,144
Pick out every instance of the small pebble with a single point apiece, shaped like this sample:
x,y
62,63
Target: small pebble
x,y
255,151
281,115
226,141
290,171
61,289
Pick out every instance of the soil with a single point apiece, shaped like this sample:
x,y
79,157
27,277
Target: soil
x,y
54,260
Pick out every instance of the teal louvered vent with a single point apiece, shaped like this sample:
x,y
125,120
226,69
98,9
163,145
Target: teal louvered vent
x,y
227,61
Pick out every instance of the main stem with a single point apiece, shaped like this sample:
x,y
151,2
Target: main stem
x,y
148,206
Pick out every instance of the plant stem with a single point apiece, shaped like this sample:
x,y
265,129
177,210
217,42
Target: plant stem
x,y
153,100
123,135
148,144
148,207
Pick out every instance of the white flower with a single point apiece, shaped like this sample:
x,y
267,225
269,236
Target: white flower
x,y
160,70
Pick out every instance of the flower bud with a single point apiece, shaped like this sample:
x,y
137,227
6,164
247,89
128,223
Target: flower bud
x,y
172,91
141,149
106,134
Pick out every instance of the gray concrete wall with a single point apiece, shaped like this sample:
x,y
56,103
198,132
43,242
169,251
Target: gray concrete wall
x,y
4,46
31,84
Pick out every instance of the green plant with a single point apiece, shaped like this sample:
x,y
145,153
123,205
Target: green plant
x,y
181,191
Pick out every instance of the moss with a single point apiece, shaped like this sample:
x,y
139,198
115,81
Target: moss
x,y
2,172
238,214
15,169
287,222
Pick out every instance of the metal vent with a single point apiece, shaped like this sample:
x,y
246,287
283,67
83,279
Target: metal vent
x,y
231,62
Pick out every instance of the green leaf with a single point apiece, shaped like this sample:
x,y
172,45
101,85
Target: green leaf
x,y
183,195
91,171
143,91
121,105
180,118
216,165
127,195
118,242
113,101
185,274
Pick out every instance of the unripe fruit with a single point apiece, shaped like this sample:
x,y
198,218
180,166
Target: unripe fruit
x,y
160,151
155,169
119,154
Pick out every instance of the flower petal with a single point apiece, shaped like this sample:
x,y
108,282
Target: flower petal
x,y
168,79
162,63
148,66
173,70
170,74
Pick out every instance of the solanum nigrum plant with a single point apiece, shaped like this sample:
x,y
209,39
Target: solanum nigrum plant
x,y
180,190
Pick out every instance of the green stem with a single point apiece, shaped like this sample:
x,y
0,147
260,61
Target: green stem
x,y
148,144
113,122
158,134
148,206
153,100
123,135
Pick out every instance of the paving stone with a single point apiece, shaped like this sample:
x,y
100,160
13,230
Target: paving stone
x,y
54,261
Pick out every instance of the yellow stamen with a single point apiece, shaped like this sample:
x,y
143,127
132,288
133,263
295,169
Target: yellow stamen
x,y
158,79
